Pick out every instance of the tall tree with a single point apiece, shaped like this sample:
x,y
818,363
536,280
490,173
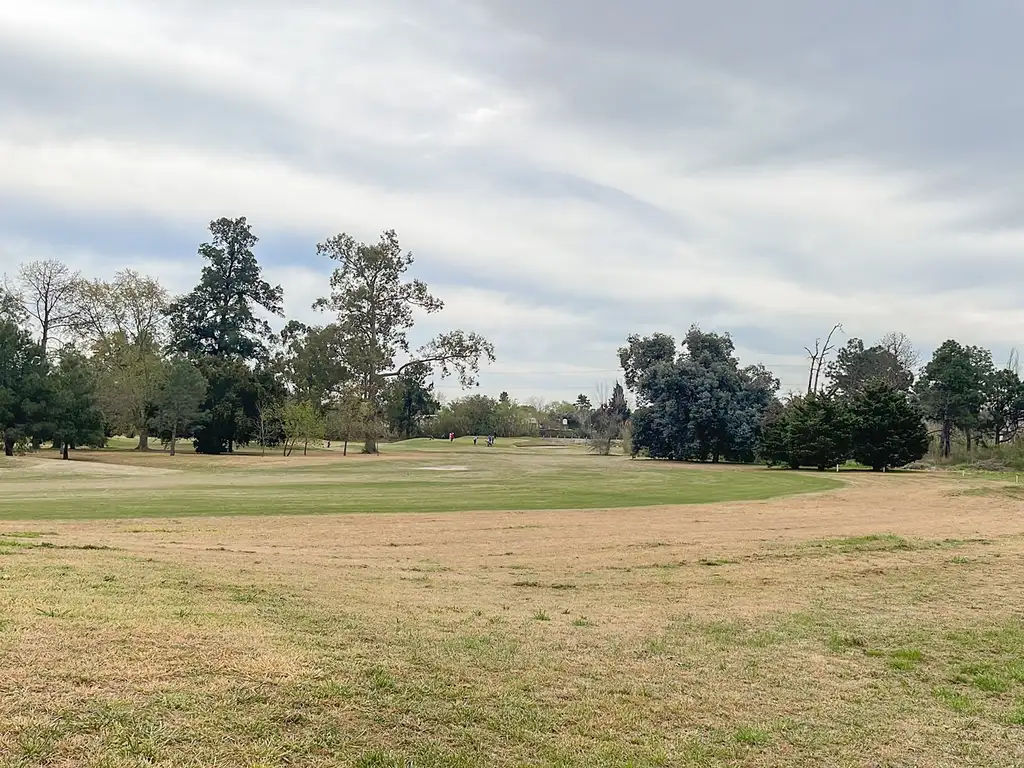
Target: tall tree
x,y
123,324
219,317
699,406
50,292
952,389
129,378
375,304
886,429
217,325
24,390
76,415
180,400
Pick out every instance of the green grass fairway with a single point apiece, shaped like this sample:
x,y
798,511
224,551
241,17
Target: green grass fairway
x,y
418,476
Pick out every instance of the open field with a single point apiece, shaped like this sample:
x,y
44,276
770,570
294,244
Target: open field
x,y
419,476
874,624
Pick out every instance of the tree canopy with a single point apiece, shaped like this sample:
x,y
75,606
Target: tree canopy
x,y
374,303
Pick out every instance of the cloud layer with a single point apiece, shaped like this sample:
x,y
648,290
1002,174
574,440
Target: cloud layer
x,y
566,173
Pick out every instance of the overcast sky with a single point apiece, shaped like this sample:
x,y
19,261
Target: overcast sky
x,y
566,173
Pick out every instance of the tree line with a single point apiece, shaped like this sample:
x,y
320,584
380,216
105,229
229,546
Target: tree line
x,y
83,359
871,404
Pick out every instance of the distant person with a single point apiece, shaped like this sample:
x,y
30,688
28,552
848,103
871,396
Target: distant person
x,y
475,438
451,437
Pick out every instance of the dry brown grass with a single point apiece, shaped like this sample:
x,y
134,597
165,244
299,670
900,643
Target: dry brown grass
x,y
879,625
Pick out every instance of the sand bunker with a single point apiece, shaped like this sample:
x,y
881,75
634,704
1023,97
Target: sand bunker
x,y
58,467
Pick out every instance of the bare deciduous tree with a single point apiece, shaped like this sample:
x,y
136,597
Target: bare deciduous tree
x,y
133,305
50,292
902,349
819,356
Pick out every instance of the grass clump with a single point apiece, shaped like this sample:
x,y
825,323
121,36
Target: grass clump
x,y
752,737
956,701
905,659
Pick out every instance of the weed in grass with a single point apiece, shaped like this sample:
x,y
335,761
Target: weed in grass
x,y
960,560
715,562
525,583
1016,715
656,646
877,542
378,759
990,683
541,616
958,702
582,621
54,613
752,737
380,680
905,659
839,643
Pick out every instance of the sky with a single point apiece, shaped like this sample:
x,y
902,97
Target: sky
x,y
565,173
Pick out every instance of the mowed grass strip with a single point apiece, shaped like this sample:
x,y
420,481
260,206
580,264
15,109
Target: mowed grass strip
x,y
435,483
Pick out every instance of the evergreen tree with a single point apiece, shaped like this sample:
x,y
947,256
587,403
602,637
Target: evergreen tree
x,y
818,431
24,386
219,316
217,327
887,430
75,412
952,389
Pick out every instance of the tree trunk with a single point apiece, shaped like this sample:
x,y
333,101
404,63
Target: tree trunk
x,y
305,446
174,437
64,452
370,446
8,445
946,440
968,433
344,451
231,445
143,439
